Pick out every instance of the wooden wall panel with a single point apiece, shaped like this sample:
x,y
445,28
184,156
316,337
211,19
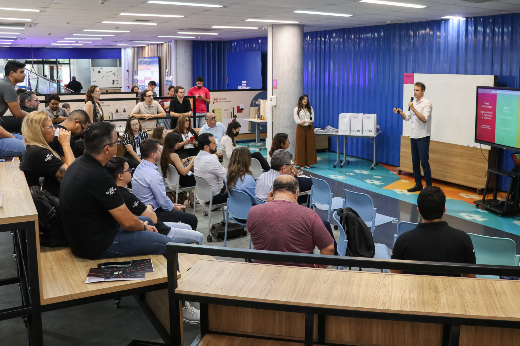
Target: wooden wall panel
x,y
487,336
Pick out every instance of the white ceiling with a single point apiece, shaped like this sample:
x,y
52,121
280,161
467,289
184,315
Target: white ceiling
x,y
59,19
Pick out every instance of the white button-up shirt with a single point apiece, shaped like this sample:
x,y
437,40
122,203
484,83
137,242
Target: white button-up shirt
x,y
420,129
208,167
304,115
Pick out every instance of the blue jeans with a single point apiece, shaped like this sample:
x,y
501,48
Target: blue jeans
x,y
421,157
136,243
182,233
201,121
12,146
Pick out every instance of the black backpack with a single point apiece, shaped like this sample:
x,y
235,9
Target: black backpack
x,y
49,218
360,241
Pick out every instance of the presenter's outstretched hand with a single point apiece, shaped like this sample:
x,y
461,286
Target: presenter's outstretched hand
x,y
397,110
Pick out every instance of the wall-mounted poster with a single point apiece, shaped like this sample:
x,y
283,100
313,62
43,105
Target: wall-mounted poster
x,y
106,77
149,70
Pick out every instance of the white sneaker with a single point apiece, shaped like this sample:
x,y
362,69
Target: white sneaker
x,y
190,314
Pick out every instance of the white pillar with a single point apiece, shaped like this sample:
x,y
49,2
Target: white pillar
x,y
183,64
288,72
269,110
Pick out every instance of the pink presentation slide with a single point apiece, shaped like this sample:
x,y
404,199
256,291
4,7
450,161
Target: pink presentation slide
x,y
486,116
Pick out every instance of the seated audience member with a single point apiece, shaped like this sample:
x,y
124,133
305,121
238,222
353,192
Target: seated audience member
x,y
280,141
170,156
208,167
11,145
215,128
8,113
29,102
228,144
148,108
178,232
132,139
433,240
75,123
55,112
289,227
66,106
281,163
95,219
159,133
188,146
40,160
148,186
9,99
239,176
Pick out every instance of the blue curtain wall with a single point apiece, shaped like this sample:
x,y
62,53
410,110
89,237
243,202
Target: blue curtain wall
x,y
361,69
210,60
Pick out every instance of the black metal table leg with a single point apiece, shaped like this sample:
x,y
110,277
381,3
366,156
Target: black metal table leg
x,y
309,329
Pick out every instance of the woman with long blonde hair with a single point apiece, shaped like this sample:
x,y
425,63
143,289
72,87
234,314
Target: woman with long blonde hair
x,y
39,159
239,177
189,146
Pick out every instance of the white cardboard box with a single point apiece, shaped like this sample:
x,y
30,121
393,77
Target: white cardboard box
x,y
369,124
344,123
356,124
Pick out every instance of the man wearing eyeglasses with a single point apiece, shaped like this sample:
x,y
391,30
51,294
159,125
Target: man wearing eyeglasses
x,y
76,123
29,102
215,128
96,221
148,108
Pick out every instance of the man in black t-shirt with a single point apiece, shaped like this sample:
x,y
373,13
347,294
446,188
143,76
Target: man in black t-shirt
x,y
178,232
179,106
95,219
76,123
433,240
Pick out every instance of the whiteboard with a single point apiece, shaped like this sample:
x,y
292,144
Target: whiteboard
x,y
106,77
454,102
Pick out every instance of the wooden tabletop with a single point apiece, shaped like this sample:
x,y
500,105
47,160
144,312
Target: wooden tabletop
x,y
18,203
63,276
353,290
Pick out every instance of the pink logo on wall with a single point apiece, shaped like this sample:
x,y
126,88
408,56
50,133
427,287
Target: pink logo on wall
x,y
408,78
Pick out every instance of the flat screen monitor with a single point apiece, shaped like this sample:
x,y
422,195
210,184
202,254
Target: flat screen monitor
x,y
148,70
497,122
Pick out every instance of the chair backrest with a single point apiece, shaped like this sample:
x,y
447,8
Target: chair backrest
x,y
362,204
320,191
225,160
172,177
491,250
256,168
238,204
259,201
403,227
202,189
342,244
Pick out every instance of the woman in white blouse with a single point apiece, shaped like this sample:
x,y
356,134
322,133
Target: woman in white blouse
x,y
305,152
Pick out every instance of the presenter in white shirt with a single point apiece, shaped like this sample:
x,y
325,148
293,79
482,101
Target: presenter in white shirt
x,y
420,114
305,152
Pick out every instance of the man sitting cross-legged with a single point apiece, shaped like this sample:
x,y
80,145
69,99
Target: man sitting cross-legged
x,y
96,221
178,232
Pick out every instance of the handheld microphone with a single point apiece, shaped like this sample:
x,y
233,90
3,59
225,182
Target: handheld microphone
x,y
411,100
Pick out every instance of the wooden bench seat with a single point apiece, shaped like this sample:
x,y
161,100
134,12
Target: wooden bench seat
x,y
63,276
225,340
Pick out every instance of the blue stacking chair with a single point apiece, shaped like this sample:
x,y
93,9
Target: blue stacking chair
x,y
403,227
496,251
238,206
322,198
363,205
382,251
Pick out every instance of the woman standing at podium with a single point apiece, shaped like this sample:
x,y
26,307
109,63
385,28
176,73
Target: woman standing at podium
x,y
305,152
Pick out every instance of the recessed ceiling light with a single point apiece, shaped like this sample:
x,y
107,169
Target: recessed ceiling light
x,y
147,42
8,36
106,30
91,35
179,36
6,43
271,21
391,3
77,44
1,39
11,33
453,17
66,41
197,33
151,15
18,9
17,19
83,42
234,27
182,3
137,23
83,38
61,44
12,27
324,13
122,44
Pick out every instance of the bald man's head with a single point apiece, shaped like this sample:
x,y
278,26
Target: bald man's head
x,y
285,183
